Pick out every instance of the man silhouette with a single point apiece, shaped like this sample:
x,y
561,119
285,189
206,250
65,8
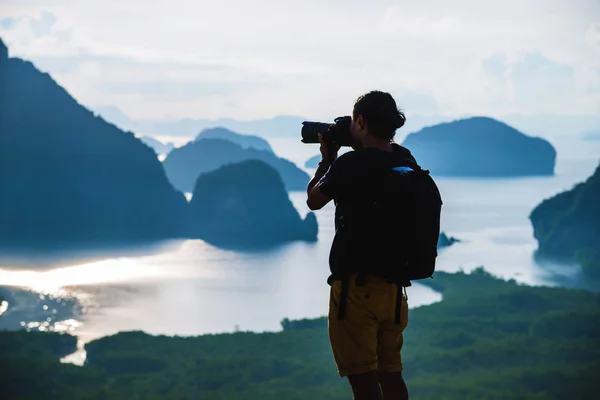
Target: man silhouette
x,y
368,316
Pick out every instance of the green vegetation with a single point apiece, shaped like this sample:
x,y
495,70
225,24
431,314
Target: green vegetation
x,y
567,225
590,263
488,339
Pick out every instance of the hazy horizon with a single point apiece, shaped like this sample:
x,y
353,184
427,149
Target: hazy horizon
x,y
549,127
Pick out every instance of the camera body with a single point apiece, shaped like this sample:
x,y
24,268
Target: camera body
x,y
336,133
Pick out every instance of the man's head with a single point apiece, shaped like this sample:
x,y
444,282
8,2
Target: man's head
x,y
375,117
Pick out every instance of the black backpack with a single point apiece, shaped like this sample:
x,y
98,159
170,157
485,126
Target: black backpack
x,y
393,232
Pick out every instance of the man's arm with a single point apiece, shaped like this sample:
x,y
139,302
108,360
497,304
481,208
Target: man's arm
x,y
317,199
322,187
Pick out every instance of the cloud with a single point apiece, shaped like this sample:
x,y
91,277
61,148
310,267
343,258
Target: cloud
x,y
7,23
200,59
416,102
534,82
396,21
175,90
42,26
534,77
496,66
592,36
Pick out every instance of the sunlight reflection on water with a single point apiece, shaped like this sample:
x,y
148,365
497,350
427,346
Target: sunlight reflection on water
x,y
3,307
68,325
114,270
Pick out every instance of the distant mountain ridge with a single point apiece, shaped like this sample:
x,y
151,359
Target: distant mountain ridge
x,y
184,164
158,146
279,126
288,126
244,140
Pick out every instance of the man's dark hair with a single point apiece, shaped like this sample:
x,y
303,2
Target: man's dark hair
x,y
380,113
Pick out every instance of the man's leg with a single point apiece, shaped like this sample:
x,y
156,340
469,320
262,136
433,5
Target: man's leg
x,y
392,385
366,386
389,344
354,340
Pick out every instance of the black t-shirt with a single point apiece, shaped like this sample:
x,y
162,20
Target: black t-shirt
x,y
350,178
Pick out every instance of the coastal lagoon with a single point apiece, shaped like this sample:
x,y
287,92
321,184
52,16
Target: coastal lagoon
x,y
189,287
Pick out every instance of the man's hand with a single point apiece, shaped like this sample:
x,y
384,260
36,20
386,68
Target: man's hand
x,y
328,153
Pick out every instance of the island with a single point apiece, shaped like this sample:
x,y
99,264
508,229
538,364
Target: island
x,y
185,164
544,341
567,225
246,204
313,162
244,140
480,147
68,176
446,241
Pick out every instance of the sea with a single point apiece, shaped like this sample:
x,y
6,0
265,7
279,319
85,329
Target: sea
x,y
188,287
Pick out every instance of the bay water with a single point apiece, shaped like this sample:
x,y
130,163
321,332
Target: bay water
x,y
190,288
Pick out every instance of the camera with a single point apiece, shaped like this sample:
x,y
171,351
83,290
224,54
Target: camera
x,y
336,133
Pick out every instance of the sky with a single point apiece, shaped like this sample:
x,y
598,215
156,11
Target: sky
x,y
257,59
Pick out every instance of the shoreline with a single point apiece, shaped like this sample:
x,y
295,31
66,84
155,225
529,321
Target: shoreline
x,y
488,316
26,311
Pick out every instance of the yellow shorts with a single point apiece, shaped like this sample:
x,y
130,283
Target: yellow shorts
x,y
367,338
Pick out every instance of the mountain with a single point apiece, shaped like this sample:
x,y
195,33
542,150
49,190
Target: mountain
x,y
480,147
446,241
184,164
567,225
246,141
158,146
313,162
68,175
246,203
